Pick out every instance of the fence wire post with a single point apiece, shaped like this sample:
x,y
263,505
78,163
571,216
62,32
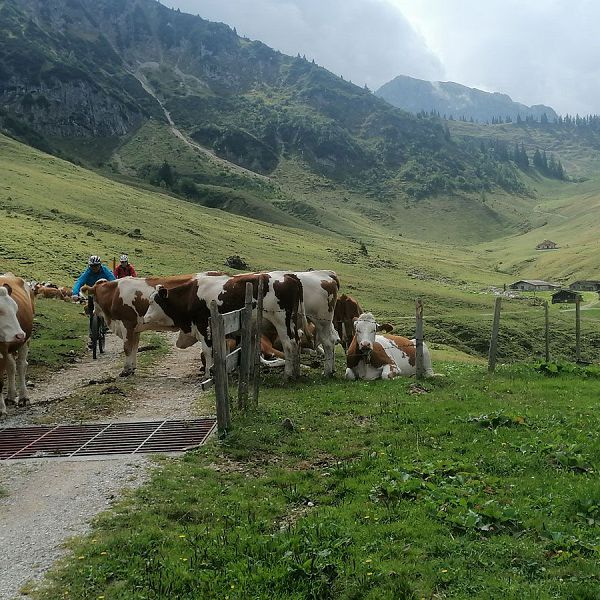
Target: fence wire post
x,y
246,356
420,367
220,368
258,329
494,338
547,330
578,329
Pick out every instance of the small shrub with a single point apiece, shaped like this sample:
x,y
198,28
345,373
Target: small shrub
x,y
236,262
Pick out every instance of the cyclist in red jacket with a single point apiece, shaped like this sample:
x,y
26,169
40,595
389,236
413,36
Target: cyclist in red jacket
x,y
124,269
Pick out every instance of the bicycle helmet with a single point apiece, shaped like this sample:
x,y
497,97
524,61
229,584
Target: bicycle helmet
x,y
94,260
124,258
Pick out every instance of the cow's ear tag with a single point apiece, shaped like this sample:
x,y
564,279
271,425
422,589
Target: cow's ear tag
x,y
163,292
8,289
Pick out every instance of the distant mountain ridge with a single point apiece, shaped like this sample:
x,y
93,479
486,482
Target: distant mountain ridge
x,y
457,101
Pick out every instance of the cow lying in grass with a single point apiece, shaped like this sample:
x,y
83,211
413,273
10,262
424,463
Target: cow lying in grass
x,y
371,356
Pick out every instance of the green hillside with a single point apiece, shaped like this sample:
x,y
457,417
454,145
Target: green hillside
x,y
53,214
147,84
578,147
293,196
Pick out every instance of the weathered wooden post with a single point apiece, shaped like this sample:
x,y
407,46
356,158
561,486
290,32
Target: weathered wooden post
x,y
220,368
494,338
420,367
547,330
246,357
578,328
258,329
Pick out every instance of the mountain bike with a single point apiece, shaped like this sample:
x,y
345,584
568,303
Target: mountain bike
x,y
97,329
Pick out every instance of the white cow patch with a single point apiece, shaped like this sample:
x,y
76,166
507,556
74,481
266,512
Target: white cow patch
x,y
10,329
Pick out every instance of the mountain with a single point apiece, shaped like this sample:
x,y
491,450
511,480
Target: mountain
x,y
457,101
80,76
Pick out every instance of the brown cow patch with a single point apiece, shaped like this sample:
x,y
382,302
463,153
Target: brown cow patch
x,y
331,286
141,303
289,297
346,309
182,304
233,295
406,346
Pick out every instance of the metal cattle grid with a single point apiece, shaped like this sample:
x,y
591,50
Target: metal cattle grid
x,y
104,439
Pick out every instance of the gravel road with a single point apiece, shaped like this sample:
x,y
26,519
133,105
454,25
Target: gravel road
x,y
50,501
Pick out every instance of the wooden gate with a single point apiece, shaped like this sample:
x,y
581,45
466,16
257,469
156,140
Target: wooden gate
x,y
245,357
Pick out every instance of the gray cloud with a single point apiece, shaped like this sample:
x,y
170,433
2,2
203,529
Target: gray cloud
x,y
539,51
366,41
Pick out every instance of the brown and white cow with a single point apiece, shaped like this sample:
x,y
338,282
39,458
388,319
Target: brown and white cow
x,y
16,325
42,291
187,307
318,333
371,356
320,296
123,304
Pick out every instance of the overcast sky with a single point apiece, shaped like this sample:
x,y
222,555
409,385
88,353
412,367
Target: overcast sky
x,y
537,51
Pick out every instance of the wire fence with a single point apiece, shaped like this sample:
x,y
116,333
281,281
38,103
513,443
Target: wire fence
x,y
572,333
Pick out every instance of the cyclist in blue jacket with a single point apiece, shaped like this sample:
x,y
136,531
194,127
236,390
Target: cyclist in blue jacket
x,y
95,271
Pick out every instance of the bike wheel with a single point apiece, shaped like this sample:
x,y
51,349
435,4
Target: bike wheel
x,y
94,334
101,335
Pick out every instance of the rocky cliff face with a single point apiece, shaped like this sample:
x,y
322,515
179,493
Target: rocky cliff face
x,y
68,108
60,77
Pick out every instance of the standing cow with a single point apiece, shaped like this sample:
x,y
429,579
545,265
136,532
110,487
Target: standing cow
x,y
320,290
123,304
318,333
16,325
187,307
371,356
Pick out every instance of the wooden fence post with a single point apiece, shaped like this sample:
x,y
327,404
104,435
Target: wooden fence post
x,y
246,354
547,330
420,367
494,338
256,353
578,329
220,368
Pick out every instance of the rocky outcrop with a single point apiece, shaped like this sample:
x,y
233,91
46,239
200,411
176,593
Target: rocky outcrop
x,y
68,109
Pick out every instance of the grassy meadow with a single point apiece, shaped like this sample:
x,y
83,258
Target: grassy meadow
x,y
467,486
54,214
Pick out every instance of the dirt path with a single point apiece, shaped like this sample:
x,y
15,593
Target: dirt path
x,y
186,140
51,501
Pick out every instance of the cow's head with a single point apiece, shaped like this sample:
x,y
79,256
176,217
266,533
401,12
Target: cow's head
x,y
10,329
365,330
156,315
